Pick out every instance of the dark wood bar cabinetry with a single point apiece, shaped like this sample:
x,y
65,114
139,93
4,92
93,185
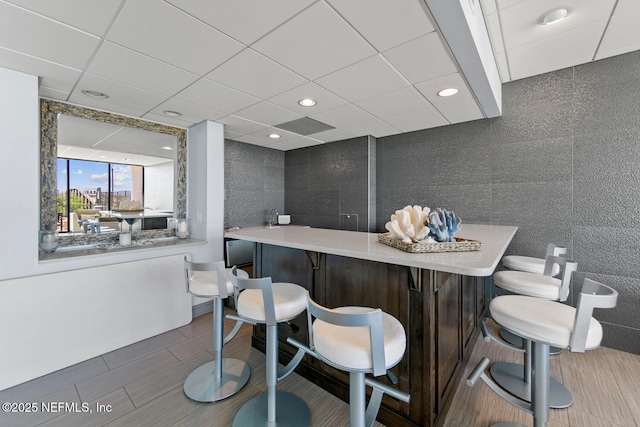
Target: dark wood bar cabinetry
x,y
439,311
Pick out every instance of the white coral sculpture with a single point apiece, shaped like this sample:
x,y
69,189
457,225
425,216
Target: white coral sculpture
x,y
408,224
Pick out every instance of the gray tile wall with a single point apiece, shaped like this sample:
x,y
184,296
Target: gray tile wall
x,y
253,183
562,163
326,185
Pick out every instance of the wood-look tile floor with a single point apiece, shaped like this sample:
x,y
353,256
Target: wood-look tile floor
x,y
141,385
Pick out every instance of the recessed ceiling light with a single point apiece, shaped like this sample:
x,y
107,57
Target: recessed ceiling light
x,y
172,113
167,148
274,136
448,92
95,94
307,102
553,16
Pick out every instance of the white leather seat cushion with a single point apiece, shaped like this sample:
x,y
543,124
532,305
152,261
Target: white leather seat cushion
x,y
531,284
205,283
541,320
350,347
527,263
289,299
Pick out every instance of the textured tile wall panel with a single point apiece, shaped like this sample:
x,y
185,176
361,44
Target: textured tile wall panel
x,y
472,203
621,338
324,203
610,251
607,108
413,170
296,202
296,178
462,136
296,157
532,161
274,159
532,240
539,119
607,179
243,208
612,70
405,145
531,203
394,199
239,175
324,176
254,183
520,93
273,178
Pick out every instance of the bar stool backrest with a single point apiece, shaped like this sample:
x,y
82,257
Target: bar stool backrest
x,y
555,250
262,284
566,270
593,295
217,266
371,319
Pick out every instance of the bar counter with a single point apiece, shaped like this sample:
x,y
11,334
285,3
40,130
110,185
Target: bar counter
x,y
438,297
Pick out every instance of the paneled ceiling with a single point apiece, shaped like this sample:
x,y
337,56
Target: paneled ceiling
x,y
373,66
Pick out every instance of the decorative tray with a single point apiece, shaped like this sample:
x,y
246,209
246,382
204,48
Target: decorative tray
x,y
460,245
128,210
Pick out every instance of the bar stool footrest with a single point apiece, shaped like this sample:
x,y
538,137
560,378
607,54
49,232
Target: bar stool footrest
x,y
510,376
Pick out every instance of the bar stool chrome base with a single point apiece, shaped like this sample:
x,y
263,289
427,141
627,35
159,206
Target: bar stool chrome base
x,y
202,386
518,342
291,411
510,376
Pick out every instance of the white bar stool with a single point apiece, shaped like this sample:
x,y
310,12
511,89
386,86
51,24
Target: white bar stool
x,y
358,340
516,378
547,323
532,264
262,301
220,378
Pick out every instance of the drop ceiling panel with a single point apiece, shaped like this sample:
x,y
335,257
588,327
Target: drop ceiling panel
x,y
240,126
393,103
315,43
191,113
332,135
268,114
374,127
164,32
91,16
248,71
623,34
215,96
343,116
45,38
365,79
424,58
245,21
325,100
123,98
550,53
57,77
142,71
520,27
418,119
386,24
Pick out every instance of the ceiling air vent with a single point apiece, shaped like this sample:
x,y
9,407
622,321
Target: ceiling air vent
x,y
304,126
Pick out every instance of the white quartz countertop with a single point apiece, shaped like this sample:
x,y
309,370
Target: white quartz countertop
x,y
494,238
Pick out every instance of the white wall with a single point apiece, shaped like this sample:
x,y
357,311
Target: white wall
x,y
65,293
158,186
